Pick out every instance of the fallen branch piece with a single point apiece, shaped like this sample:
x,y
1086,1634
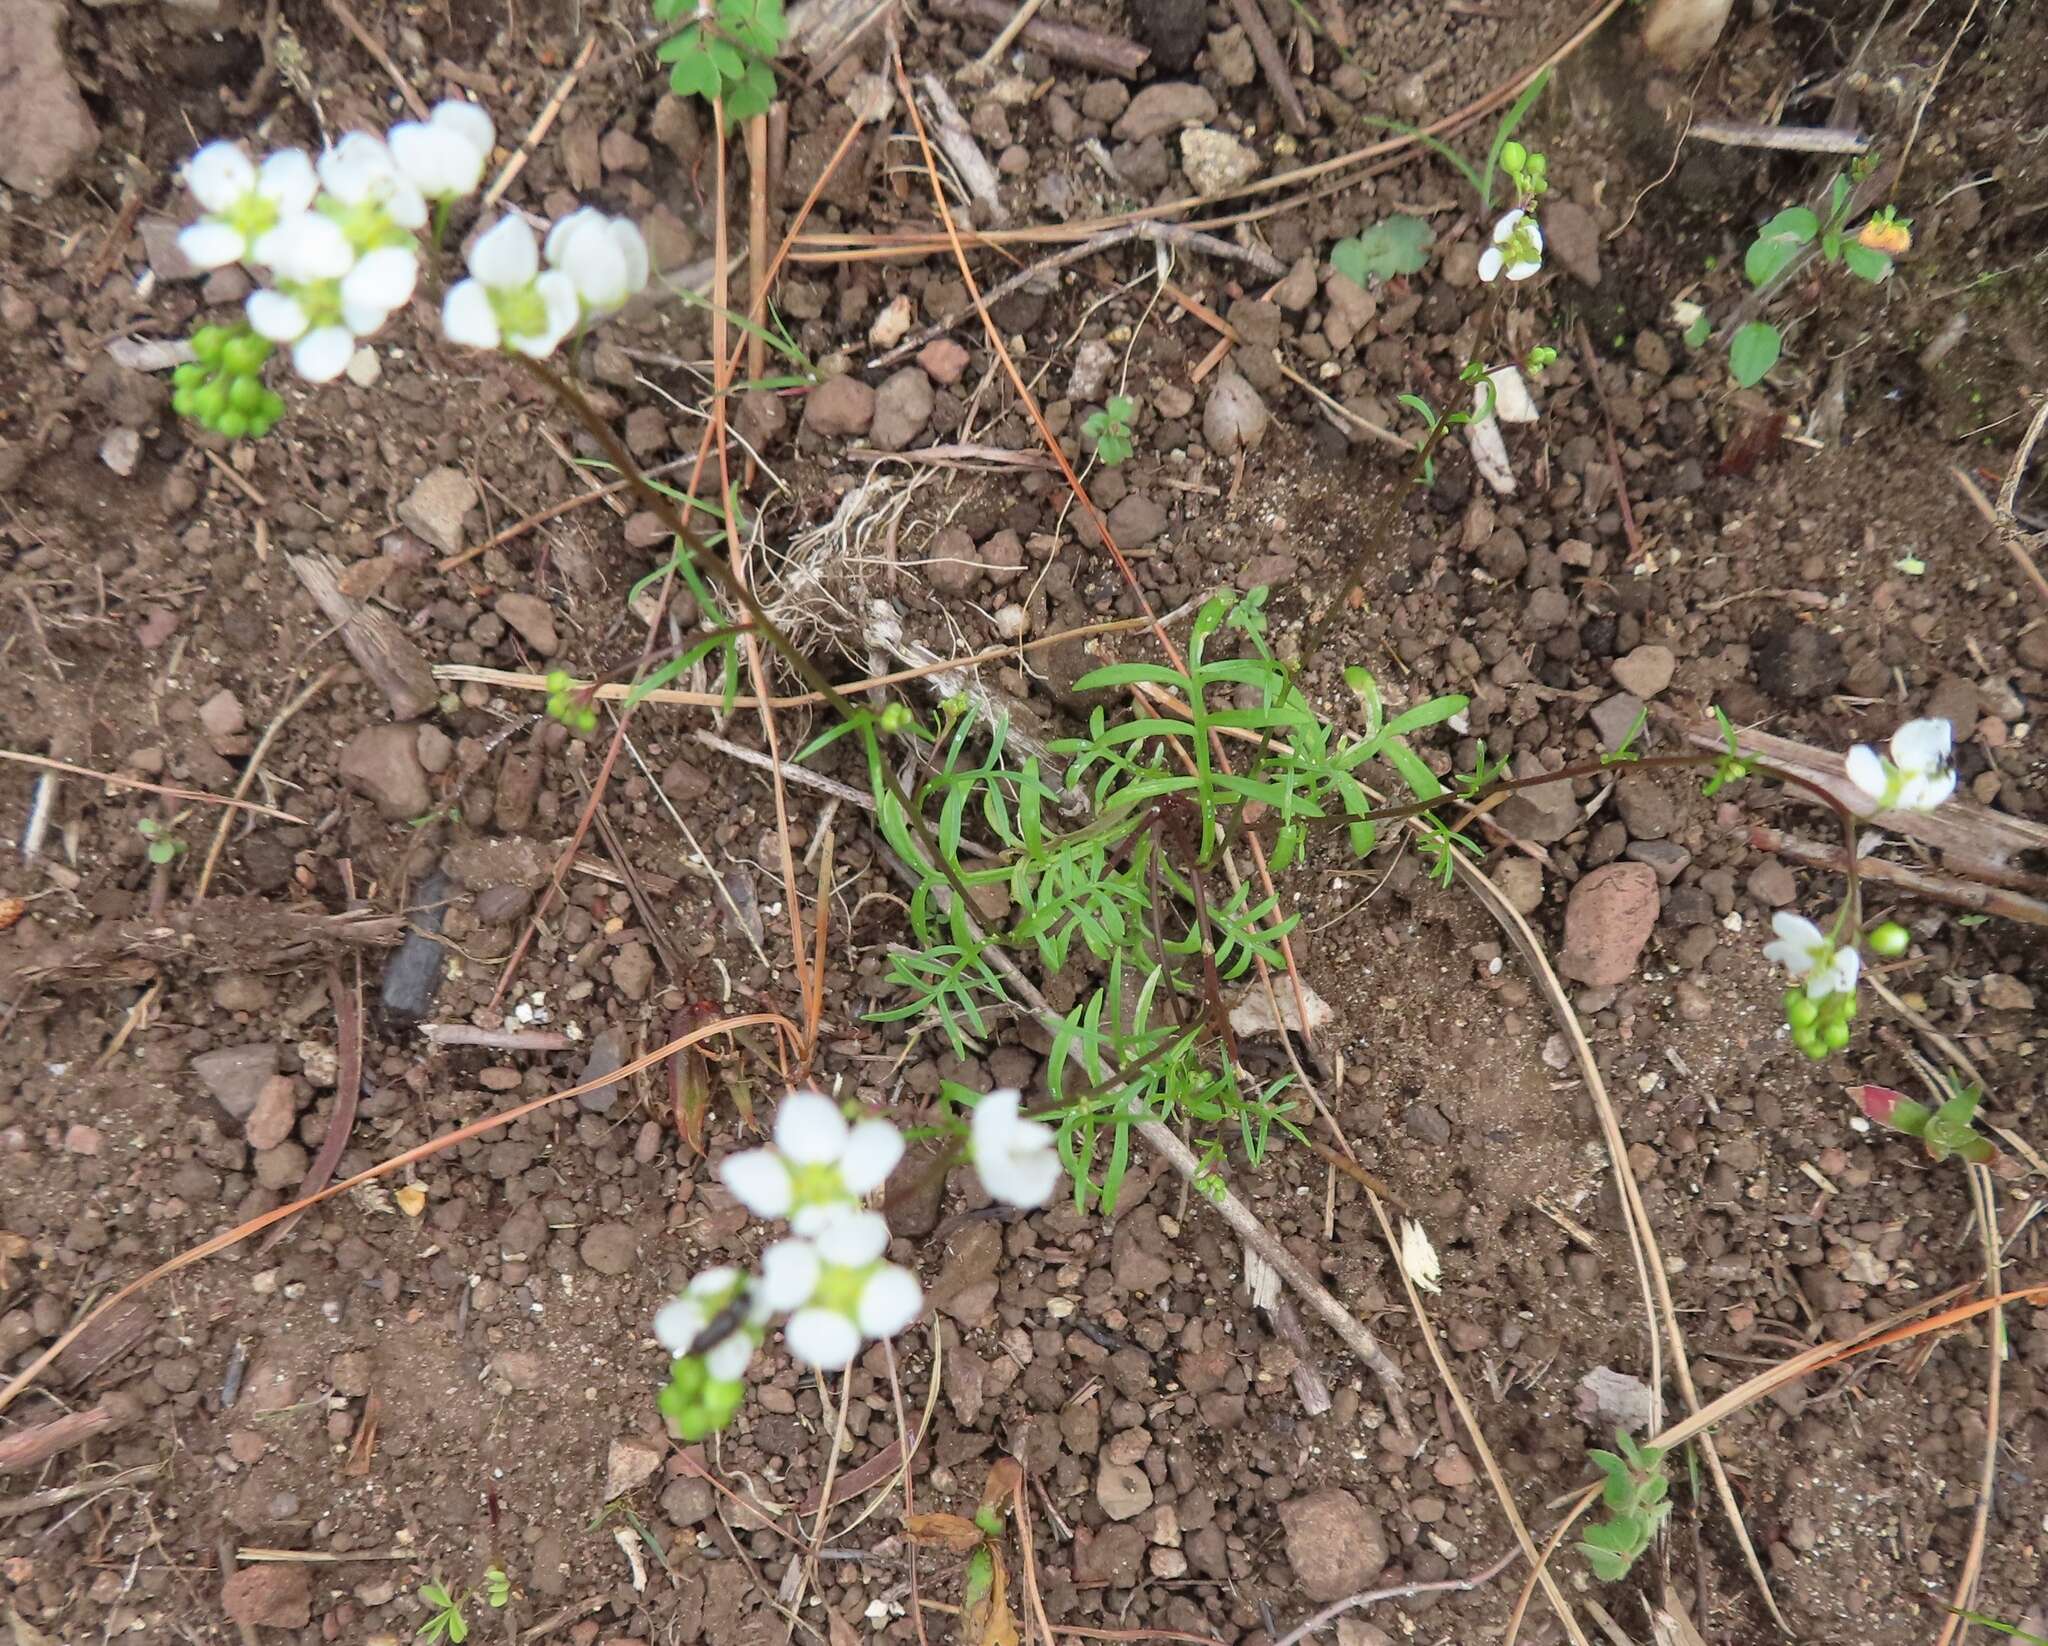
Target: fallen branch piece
x,y
1937,888
379,646
1064,43
29,1448
500,1040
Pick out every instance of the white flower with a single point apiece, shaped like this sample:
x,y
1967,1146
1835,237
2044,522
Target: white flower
x,y
873,1149
360,173
821,1337
810,1130
727,1359
853,1240
1418,1257
1805,951
606,257
789,1275
1517,247
509,304
242,201
890,1301
1917,777
678,1322
323,353
444,155
381,281
1014,1157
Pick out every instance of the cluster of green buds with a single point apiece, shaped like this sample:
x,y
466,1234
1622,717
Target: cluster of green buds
x,y
222,386
1819,1026
570,703
1527,169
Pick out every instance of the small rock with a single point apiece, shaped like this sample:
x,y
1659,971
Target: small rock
x,y
632,970
1645,806
1136,521
119,450
1544,812
1235,418
2001,992
520,1368
839,408
1615,718
1799,663
283,1167
1215,161
1104,100
269,1596
646,530
620,150
160,248
1093,361
1607,920
275,1114
1123,1490
1164,106
1772,885
903,405
764,417
943,361
363,368
607,1055
1348,310
628,1464
81,1139
49,132
687,1502
530,617
1231,55
235,1075
610,1248
1113,1557
953,564
1298,289
1572,236
646,431
383,762
435,749
1652,353
1646,671
437,507
1520,880
221,718
1334,1543
892,324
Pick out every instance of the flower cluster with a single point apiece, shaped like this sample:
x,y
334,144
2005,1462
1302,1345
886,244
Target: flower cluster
x,y
1517,249
1824,972
830,1276
337,243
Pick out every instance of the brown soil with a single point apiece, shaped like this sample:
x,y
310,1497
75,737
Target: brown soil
x,y
414,1387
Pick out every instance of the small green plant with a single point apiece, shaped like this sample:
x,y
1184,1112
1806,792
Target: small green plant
x,y
448,1622
1868,254
222,388
1948,1130
1110,429
1394,245
164,847
570,703
724,52
1130,887
1636,1495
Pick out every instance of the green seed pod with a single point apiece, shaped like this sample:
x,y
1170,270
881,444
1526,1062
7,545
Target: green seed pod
x,y
209,401
189,375
1888,941
234,424
208,341
273,405
182,397
260,424
245,395
1513,156
1800,1011
245,354
1835,1035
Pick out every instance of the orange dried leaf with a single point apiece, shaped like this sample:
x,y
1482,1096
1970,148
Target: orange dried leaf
x,y
943,1531
11,910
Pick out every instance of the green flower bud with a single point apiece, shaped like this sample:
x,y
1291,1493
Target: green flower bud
x,y
245,395
232,423
1513,156
1888,941
189,375
260,424
208,342
182,398
245,354
1800,1012
208,402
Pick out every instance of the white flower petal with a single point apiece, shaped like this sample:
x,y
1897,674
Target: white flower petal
x,y
211,244
1922,745
873,1149
713,1283
1522,271
469,121
815,1220
758,1180
219,175
789,1275
1507,225
558,292
275,316
568,228
307,246
351,169
592,258
1866,771
1490,261
809,1129
1418,1257
822,1337
1024,1179
993,1120
1923,794
506,254
853,1240
467,318
288,181
890,1301
677,1323
383,279
632,246
1797,929
1015,1158
435,160
727,1360
322,354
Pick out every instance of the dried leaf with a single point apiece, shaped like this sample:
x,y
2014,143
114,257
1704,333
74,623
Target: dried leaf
x,y
943,1531
689,1082
838,1632
412,1199
364,1446
986,1618
999,1491
150,353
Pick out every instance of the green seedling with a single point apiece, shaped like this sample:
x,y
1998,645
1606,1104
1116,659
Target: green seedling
x,y
1392,246
1110,429
164,847
724,52
448,1621
1948,1130
570,703
1636,1496
1867,254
